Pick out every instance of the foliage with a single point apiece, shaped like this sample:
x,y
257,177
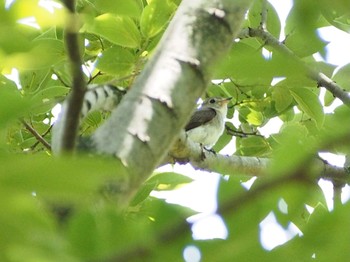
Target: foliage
x,y
117,38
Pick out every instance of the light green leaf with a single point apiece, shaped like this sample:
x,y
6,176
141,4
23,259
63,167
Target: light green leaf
x,y
155,16
119,30
251,116
56,178
44,53
51,92
309,103
342,77
116,61
293,146
120,7
273,24
12,105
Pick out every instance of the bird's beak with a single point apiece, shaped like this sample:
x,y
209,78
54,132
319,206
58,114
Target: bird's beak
x,y
225,101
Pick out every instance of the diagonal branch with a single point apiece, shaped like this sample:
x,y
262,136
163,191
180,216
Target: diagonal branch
x,y
321,79
38,137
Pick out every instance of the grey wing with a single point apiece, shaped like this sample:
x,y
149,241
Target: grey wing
x,y
200,117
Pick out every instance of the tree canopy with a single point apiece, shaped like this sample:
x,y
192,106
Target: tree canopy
x,y
166,54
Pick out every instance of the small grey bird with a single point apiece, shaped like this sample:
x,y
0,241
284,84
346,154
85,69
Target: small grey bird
x,y
208,122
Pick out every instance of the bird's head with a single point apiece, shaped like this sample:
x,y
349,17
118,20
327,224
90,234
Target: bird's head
x,y
218,103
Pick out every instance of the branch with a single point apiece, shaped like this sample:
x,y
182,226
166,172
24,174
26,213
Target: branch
x,y
320,78
185,151
264,12
38,137
75,100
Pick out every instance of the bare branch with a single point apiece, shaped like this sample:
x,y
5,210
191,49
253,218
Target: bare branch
x,y
321,79
186,151
40,138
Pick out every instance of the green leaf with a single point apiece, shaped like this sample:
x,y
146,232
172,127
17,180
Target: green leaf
x,y
273,24
309,103
342,77
155,16
119,30
296,42
169,180
59,178
7,83
238,65
251,116
12,105
302,23
93,119
222,142
46,99
294,145
51,92
252,146
144,192
116,61
120,7
50,52
336,13
282,98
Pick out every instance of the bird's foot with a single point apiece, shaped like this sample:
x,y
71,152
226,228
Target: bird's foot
x,y
206,149
210,150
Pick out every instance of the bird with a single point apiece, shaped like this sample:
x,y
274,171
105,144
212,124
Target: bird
x,y
207,123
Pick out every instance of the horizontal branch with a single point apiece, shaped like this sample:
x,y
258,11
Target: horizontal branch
x,y
320,78
186,151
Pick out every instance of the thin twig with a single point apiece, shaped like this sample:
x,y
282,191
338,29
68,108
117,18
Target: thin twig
x,y
320,78
337,191
238,133
59,78
36,135
264,11
43,135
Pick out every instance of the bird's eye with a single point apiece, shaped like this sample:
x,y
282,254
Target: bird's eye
x,y
212,101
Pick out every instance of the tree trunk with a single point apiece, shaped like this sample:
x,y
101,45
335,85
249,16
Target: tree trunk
x,y
143,127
